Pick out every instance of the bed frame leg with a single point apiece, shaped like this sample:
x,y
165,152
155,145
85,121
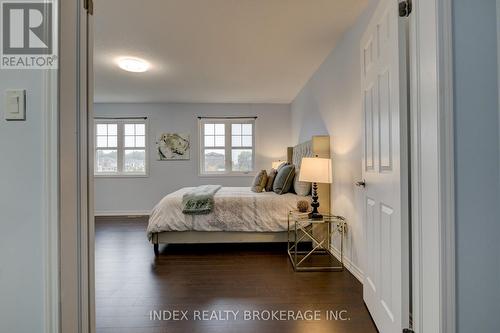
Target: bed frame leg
x,y
156,244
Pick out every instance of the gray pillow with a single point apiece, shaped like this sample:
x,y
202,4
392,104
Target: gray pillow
x,y
282,165
270,180
284,179
260,181
301,188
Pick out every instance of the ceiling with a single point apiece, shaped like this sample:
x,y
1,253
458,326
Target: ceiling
x,y
215,51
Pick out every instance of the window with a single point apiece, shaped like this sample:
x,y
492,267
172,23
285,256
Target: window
x,y
227,146
120,147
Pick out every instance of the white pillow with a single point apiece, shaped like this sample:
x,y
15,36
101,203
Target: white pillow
x,y
301,188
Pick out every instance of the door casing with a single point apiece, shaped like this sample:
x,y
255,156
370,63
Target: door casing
x,y
432,167
75,196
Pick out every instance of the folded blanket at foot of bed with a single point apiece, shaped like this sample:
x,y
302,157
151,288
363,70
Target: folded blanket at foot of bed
x,y
199,200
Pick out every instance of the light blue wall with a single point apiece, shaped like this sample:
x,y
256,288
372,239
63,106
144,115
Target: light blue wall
x,y
119,195
330,103
477,166
21,172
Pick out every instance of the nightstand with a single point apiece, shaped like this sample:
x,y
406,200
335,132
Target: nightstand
x,y
302,229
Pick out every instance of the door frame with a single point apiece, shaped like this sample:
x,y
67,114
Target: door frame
x,y
75,191
50,207
70,306
432,167
498,64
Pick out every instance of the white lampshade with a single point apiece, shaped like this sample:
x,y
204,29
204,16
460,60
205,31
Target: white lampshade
x,y
276,164
316,170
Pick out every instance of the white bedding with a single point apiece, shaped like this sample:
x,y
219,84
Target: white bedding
x,y
236,209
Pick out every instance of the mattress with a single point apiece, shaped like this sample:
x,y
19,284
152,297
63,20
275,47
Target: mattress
x,y
236,209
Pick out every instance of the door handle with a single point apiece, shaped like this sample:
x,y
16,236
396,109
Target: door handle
x,y
361,183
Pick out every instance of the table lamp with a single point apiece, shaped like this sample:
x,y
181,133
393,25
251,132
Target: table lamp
x,y
315,170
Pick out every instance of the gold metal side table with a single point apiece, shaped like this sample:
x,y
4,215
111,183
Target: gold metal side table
x,y
302,229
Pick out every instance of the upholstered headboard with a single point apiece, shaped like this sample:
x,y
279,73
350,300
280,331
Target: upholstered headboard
x,y
301,150
319,146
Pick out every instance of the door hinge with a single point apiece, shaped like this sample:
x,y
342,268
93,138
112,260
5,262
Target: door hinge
x,y
407,330
89,6
405,8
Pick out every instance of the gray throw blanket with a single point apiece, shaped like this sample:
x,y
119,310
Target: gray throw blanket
x,y
199,200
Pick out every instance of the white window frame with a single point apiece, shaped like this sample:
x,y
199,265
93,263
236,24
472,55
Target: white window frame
x,y
120,149
227,146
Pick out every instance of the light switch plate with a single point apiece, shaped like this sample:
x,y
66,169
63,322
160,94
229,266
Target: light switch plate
x,y
15,105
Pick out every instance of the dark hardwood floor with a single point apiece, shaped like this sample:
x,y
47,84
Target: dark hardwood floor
x,y
131,282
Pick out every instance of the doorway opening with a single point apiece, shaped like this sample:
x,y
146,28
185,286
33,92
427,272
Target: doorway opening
x,y
118,160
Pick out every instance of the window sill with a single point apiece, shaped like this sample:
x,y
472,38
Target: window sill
x,y
218,175
121,175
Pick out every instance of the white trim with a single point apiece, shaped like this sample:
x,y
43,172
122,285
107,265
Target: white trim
x,y
232,174
349,265
447,169
83,150
50,197
91,181
120,148
227,146
122,213
433,232
120,175
50,213
75,200
498,64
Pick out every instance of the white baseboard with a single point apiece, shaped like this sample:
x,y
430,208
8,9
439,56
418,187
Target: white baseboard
x,y
349,265
123,213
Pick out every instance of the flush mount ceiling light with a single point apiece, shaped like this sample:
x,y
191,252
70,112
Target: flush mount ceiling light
x,y
135,65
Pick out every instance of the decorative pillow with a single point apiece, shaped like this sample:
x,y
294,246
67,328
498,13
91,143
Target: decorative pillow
x,y
284,179
282,165
270,180
301,188
260,181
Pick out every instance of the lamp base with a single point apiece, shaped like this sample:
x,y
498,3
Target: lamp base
x,y
315,216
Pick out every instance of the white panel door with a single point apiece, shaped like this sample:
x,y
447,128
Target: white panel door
x,y
383,81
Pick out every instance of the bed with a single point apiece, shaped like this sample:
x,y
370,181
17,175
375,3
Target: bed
x,y
239,215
